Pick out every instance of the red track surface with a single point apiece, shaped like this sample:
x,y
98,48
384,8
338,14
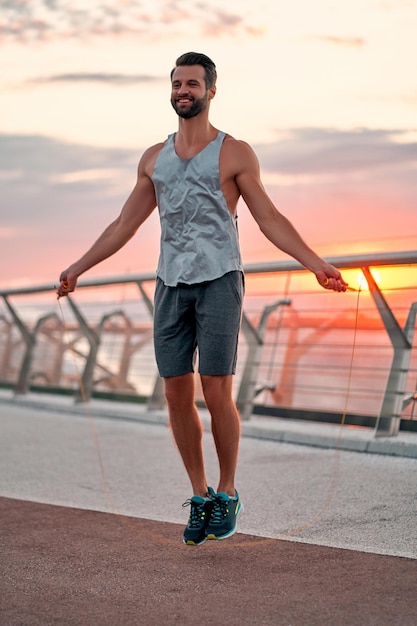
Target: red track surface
x,y
66,566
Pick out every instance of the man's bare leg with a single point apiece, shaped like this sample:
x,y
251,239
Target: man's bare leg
x,y
187,428
225,422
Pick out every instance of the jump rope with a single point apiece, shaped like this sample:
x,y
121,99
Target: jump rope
x,y
133,524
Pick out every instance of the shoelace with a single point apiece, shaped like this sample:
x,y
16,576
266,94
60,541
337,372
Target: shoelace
x,y
219,511
197,513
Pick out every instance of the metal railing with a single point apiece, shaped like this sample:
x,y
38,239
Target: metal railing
x,y
302,349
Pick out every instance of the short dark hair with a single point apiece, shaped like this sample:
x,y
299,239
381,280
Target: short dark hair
x,y
196,58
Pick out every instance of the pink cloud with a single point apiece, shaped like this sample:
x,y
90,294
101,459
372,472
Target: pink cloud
x,y
355,42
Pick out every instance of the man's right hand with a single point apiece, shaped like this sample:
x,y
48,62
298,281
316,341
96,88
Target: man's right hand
x,y
67,283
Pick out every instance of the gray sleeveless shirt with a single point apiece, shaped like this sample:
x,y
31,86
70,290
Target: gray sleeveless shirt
x,y
199,239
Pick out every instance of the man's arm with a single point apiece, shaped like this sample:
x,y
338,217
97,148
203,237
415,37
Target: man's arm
x,y
135,211
275,226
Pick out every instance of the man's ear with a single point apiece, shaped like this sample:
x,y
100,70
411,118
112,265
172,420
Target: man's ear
x,y
212,92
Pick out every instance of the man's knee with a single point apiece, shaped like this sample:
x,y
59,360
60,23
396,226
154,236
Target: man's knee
x,y
216,389
179,391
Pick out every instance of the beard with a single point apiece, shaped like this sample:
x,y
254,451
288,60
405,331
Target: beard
x,y
194,109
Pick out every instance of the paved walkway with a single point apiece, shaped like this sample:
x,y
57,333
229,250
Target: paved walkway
x,y
91,525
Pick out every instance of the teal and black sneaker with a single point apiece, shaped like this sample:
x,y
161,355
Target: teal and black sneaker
x,y
195,531
223,519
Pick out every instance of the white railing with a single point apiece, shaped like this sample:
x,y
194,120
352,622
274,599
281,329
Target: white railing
x,y
303,352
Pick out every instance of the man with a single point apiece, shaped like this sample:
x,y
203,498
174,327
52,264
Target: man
x,y
196,178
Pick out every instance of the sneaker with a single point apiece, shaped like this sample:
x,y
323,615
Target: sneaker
x,y
195,531
223,519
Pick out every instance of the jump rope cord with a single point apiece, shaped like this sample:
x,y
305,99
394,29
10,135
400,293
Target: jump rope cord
x,y
336,458
336,463
131,523
91,423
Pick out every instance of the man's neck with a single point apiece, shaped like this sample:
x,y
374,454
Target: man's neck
x,y
194,131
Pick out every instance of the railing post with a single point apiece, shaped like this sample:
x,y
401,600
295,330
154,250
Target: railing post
x,y
395,398
8,345
29,339
156,399
85,389
388,422
255,341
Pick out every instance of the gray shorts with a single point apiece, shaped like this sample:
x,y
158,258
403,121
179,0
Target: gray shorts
x,y
204,317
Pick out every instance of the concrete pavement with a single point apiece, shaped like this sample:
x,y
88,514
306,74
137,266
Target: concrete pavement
x,y
92,522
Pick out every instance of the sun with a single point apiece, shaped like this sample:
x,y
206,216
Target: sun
x,y
363,283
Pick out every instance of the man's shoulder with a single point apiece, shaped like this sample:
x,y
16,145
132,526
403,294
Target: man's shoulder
x,y
148,159
237,150
238,146
153,150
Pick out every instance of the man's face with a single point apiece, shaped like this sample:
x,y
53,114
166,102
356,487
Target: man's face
x,y
189,94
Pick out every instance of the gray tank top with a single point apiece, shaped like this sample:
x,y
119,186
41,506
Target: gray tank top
x,y
199,239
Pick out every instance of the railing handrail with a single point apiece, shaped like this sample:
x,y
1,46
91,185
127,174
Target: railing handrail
x,y
378,259
254,377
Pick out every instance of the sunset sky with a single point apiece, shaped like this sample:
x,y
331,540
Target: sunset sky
x,y
325,92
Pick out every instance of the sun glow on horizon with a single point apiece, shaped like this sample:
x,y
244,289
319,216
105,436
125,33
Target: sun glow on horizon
x,y
323,92
363,283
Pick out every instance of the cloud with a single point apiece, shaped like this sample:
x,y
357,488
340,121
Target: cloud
x,y
317,151
46,164
35,155
44,20
355,42
56,199
40,174
96,77
346,191
220,23
335,185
